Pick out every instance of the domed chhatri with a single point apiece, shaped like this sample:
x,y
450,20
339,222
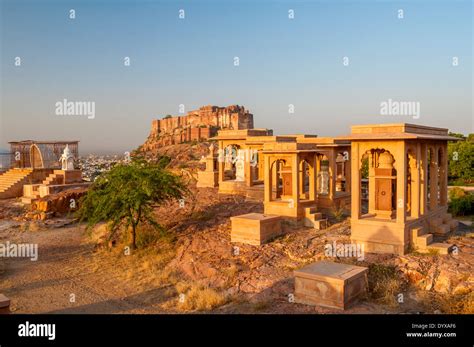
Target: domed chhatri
x,y
67,159
399,204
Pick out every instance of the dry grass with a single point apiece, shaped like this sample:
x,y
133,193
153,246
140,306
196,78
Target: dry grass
x,y
261,306
197,298
384,284
202,216
144,267
458,304
338,214
449,303
230,274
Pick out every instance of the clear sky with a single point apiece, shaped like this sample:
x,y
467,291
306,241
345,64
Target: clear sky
x,y
191,61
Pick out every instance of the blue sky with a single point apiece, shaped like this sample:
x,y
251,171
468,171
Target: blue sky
x,y
190,62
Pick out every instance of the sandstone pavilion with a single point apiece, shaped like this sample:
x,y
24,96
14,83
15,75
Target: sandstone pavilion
x,y
399,206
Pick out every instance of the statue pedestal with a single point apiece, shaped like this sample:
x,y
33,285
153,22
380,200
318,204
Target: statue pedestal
x,y
207,179
70,176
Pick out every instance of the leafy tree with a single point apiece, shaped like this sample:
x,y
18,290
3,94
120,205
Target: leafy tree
x,y
128,193
461,203
461,158
365,168
459,136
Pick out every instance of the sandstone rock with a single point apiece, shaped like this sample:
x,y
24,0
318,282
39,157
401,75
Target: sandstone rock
x,y
414,276
443,282
463,288
55,203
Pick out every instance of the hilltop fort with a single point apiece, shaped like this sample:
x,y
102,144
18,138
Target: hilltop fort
x,y
197,125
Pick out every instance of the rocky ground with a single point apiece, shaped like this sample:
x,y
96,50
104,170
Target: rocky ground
x,y
184,155
194,267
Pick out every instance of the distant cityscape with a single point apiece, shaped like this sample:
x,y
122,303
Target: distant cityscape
x,y
94,165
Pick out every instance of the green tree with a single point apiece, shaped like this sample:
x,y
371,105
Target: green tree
x,y
461,158
365,168
458,135
128,193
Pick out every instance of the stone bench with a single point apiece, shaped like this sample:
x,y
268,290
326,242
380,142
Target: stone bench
x,y
330,284
4,304
255,228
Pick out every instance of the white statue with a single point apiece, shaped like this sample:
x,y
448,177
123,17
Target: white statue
x,y
211,150
240,166
67,159
323,182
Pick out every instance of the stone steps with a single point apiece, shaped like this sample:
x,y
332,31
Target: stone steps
x,y
453,225
443,225
54,178
423,241
28,200
315,219
435,221
417,232
11,182
441,248
441,229
449,221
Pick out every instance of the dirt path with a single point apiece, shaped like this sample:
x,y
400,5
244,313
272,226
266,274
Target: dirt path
x,y
68,267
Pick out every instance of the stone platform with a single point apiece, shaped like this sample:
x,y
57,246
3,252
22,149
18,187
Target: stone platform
x,y
255,228
330,284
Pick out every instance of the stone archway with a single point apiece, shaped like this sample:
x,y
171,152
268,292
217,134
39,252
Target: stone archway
x,y
278,179
36,158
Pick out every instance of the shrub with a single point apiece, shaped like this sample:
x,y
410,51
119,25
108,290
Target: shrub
x,y
384,283
461,158
201,299
338,214
461,203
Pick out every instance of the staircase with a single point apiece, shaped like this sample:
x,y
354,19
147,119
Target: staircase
x,y
12,181
423,242
57,177
443,225
314,219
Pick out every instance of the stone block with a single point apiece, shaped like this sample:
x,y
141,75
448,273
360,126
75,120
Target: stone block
x,y
441,248
207,179
255,228
4,304
424,240
330,284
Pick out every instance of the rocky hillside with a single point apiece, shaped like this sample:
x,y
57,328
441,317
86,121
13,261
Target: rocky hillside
x,y
183,156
